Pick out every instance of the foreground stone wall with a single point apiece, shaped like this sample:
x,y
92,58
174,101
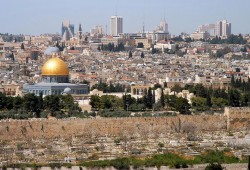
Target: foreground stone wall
x,y
238,118
142,127
233,119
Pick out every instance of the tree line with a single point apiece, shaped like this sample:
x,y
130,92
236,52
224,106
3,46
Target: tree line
x,y
10,37
32,106
231,39
147,102
207,98
111,47
109,88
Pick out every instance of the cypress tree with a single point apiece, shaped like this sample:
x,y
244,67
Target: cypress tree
x,y
130,54
162,100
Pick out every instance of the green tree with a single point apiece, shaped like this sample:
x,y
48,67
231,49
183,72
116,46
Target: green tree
x,y
31,103
177,88
162,99
17,102
199,103
3,100
40,100
116,102
67,103
9,102
208,100
214,166
120,47
95,101
142,55
52,103
106,102
127,101
245,99
199,90
219,102
234,98
22,46
182,106
148,99
156,86
130,55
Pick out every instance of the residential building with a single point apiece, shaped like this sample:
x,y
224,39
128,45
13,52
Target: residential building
x,y
210,28
97,30
200,35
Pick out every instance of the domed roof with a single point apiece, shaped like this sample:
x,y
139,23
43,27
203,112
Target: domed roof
x,y
67,90
55,67
51,50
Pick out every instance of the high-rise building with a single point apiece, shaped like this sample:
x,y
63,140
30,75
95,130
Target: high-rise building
x,y
116,25
226,28
97,30
210,28
164,26
218,29
222,28
67,30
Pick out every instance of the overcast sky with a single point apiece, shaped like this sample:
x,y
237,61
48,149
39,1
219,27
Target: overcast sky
x,y
46,16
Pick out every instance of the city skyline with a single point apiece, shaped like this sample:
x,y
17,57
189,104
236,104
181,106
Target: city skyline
x,y
43,16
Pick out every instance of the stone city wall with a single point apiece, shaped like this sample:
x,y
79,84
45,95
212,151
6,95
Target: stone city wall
x,y
233,119
236,111
237,118
141,126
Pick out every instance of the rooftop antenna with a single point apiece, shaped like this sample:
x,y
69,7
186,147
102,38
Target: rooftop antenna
x,y
106,29
164,16
143,28
143,25
116,8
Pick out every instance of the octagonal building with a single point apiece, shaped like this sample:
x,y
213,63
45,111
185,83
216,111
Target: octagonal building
x,y
55,80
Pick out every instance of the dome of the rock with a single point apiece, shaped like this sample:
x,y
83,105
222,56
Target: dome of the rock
x,y
55,67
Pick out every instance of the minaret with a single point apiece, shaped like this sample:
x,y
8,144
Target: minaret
x,y
80,31
80,34
143,28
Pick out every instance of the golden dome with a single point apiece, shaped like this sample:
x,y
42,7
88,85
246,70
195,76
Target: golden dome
x,y
55,67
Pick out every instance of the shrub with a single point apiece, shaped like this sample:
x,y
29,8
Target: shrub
x,y
213,166
44,114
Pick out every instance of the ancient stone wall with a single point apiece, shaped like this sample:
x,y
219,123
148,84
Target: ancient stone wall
x,y
233,119
142,127
237,118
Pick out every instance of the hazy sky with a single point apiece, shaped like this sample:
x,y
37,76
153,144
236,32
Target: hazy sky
x,y
46,16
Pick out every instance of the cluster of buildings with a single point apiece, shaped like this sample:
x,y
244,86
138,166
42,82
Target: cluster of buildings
x,y
62,64
54,64
219,29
